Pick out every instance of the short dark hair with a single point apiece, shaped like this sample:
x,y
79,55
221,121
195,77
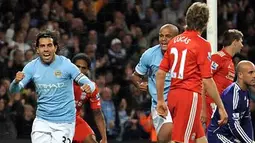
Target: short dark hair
x,y
231,35
197,16
82,56
47,34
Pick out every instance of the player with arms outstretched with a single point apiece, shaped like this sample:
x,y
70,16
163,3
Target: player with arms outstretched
x,y
83,132
53,76
188,58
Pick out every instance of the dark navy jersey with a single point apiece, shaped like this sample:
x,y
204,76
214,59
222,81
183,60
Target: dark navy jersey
x,y
239,126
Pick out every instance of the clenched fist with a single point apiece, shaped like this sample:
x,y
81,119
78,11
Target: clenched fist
x,y
19,76
86,88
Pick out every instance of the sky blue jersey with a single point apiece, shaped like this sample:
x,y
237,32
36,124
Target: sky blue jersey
x,y
54,87
239,126
149,65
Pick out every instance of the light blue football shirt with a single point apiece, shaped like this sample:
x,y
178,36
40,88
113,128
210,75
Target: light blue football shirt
x,y
149,65
54,87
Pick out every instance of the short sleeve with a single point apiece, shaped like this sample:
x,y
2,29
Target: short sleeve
x,y
204,60
143,65
95,100
215,66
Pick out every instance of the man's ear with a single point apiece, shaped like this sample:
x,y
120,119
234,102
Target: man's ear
x,y
240,74
37,51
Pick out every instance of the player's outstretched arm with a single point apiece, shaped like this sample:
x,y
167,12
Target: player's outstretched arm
x,y
211,89
100,122
160,81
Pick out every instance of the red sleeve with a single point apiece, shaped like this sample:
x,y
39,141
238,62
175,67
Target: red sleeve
x,y
215,63
204,60
77,91
94,100
165,65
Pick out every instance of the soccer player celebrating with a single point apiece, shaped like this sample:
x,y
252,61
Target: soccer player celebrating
x,y
83,132
188,59
236,101
53,76
148,65
223,67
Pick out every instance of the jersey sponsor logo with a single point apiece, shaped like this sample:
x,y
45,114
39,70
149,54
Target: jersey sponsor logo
x,y
58,73
214,65
51,85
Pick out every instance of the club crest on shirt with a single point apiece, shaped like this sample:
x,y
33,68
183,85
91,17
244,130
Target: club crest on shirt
x,y
58,73
214,65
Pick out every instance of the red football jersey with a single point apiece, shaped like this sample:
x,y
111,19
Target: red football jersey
x,y
188,59
81,97
223,70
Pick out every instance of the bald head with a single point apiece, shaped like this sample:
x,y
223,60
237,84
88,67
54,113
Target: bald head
x,y
245,74
244,65
174,30
166,33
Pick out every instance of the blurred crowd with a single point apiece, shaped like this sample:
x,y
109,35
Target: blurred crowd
x,y
114,34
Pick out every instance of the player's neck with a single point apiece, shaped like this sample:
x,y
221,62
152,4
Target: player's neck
x,y
163,52
229,50
242,85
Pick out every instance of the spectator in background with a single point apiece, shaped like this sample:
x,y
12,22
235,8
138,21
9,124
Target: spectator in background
x,y
7,130
24,122
29,56
116,56
109,112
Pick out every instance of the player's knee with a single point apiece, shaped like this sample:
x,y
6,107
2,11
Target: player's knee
x,y
165,132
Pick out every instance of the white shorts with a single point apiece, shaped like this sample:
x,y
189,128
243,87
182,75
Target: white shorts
x,y
48,132
158,121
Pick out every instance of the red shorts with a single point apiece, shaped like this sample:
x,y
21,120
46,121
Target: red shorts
x,y
82,130
185,108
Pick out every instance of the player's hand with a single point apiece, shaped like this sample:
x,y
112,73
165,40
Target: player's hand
x,y
103,140
86,88
19,76
223,116
162,108
203,116
143,86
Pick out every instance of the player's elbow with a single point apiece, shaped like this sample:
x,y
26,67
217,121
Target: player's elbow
x,y
207,82
160,74
135,78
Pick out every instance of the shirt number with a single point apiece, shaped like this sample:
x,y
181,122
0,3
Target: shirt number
x,y
181,68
